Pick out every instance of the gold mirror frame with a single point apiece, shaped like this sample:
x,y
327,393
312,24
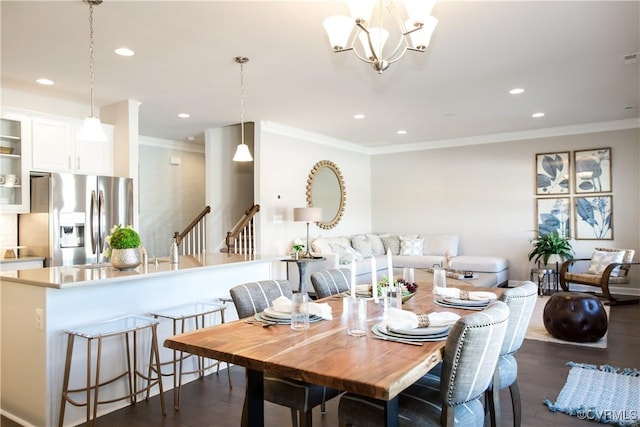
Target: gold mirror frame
x,y
313,176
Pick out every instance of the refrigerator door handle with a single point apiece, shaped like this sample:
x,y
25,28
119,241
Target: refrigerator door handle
x,y
102,223
93,222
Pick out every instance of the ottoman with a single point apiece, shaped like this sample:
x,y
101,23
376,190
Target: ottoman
x,y
575,316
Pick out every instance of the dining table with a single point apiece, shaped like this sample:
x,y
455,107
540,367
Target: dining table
x,y
324,354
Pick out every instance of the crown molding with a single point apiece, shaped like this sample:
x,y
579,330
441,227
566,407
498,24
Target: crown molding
x,y
316,138
193,147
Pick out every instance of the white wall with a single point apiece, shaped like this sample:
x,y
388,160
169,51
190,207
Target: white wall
x,y
286,157
170,195
486,194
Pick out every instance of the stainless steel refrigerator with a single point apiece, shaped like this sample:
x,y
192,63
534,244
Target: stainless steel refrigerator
x,y
71,215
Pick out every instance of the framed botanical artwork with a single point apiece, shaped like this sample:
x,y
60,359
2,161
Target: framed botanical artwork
x,y
594,218
593,171
552,173
553,214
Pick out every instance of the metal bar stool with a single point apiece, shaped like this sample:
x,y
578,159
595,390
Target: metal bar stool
x,y
123,327
198,313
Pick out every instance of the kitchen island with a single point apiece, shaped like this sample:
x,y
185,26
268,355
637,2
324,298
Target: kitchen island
x,y
38,305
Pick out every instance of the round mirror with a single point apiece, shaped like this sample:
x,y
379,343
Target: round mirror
x,y
325,189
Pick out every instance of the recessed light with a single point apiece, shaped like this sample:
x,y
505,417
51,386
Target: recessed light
x,y
401,132
45,82
124,51
516,91
359,116
537,115
184,115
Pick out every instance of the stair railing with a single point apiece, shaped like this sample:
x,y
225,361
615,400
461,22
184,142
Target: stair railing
x,y
241,240
193,240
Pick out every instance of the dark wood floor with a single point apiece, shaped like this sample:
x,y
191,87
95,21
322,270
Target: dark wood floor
x,y
542,372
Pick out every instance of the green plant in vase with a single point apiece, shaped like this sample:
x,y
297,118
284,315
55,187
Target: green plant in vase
x,y
546,245
123,247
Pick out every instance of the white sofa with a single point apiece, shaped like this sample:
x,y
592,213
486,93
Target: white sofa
x,y
408,250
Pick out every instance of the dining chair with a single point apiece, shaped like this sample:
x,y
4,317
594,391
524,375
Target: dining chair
x,y
521,301
330,282
301,397
454,398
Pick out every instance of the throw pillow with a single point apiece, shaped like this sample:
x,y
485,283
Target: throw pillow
x,y
361,244
601,259
391,243
346,254
377,247
411,246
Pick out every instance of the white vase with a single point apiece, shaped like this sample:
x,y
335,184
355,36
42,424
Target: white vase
x,y
126,259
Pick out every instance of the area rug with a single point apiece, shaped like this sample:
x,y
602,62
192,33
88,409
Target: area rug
x,y
537,331
605,394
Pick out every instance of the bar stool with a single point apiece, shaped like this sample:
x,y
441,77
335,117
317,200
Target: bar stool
x,y
120,327
198,312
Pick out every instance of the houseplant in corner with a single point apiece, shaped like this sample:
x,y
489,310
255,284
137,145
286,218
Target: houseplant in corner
x,y
123,248
547,245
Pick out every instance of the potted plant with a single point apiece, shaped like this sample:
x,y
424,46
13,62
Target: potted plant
x,y
546,245
298,247
123,247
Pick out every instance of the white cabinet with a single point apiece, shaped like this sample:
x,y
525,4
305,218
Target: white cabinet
x,y
15,143
55,148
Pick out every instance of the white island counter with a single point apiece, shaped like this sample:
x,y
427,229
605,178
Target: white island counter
x,y
33,352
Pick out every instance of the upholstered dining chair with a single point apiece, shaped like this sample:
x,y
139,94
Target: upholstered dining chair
x,y
521,301
330,282
607,266
453,399
301,397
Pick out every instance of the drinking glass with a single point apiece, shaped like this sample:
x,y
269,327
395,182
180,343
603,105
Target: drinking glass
x,y
356,317
300,311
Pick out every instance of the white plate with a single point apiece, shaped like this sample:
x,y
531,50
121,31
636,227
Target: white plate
x,y
482,296
431,330
272,312
466,302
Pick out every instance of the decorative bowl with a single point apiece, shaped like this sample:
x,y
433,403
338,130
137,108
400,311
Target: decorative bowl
x,y
407,297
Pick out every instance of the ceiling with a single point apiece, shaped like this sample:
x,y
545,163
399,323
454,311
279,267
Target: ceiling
x,y
568,56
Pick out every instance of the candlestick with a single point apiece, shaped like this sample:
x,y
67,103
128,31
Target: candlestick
x,y
390,266
374,280
353,278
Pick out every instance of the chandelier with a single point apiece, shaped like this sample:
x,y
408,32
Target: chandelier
x,y
414,33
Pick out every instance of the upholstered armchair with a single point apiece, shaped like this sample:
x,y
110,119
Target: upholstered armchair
x,y
607,266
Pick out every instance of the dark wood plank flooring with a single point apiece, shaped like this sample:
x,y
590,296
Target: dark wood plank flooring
x,y
542,372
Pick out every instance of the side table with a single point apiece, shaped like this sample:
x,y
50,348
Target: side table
x,y
302,269
547,279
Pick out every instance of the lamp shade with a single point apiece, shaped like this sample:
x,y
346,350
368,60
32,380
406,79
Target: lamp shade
x,y
242,154
307,214
91,130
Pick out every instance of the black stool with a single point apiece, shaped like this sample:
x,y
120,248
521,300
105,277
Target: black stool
x,y
575,316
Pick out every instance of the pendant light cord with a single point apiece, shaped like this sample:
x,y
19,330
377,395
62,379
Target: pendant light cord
x,y
242,101
91,60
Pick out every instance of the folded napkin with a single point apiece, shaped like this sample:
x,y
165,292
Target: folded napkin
x,y
404,320
363,289
283,305
464,295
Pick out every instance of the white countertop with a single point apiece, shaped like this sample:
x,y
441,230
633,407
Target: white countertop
x,y
75,276
21,259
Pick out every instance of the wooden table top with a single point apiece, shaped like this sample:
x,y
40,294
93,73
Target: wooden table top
x,y
324,354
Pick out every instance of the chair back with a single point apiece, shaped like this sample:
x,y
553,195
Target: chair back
x,y
254,297
330,282
627,257
521,301
471,354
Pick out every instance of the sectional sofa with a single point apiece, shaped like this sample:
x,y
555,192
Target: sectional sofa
x,y
408,250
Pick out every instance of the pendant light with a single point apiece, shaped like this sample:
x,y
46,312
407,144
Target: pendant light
x,y
242,152
91,129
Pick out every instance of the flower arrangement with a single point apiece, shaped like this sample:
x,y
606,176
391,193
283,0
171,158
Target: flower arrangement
x,y
121,238
298,245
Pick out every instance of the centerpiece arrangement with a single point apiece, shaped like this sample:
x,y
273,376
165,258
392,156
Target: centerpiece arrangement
x,y
123,247
409,289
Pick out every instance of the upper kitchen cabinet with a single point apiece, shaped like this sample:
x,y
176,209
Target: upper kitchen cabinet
x,y
55,149
15,144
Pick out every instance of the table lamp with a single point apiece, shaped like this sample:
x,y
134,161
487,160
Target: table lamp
x,y
309,215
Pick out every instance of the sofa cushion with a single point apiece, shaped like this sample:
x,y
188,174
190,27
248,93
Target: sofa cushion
x,y
439,244
322,245
485,264
346,254
410,246
360,243
377,247
391,243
